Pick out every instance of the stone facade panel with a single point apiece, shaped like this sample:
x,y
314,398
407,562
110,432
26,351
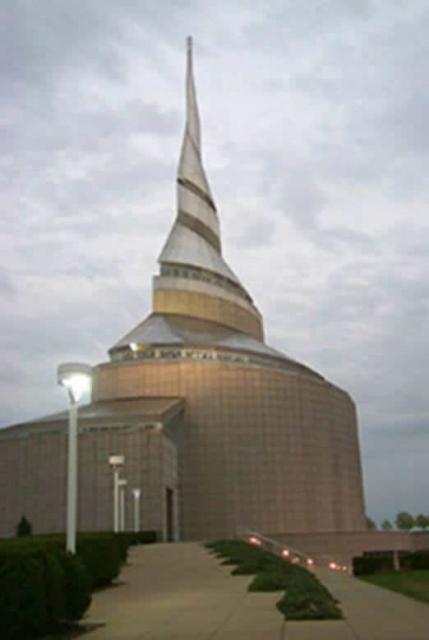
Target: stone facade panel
x,y
262,448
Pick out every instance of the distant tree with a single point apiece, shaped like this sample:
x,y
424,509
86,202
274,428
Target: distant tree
x,y
422,521
404,521
370,524
23,527
386,525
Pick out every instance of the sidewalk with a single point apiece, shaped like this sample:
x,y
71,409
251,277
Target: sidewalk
x,y
181,592
371,613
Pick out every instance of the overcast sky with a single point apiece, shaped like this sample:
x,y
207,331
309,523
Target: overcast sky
x,y
316,144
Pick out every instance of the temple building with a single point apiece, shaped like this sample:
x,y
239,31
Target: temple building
x,y
219,431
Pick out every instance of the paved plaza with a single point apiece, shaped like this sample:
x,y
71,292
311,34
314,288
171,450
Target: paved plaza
x,y
181,592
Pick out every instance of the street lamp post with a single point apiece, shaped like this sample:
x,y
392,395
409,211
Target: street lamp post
x,y
76,378
122,487
116,462
136,495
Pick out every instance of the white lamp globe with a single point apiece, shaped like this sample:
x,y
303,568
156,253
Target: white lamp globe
x,y
76,377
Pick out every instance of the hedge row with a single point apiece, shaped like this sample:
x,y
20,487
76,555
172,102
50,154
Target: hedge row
x,y
39,588
415,561
129,538
367,565
42,586
305,598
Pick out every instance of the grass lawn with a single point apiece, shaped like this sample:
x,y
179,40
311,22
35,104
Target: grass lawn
x,y
414,584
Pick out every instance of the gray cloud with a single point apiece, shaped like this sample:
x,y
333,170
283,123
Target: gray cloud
x,y
316,145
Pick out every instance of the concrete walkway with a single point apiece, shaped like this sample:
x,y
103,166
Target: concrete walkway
x,y
181,592
371,613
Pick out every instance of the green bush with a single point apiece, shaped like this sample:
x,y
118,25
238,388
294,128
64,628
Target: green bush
x,y
77,586
23,528
305,597
144,537
259,561
55,588
124,540
102,556
308,602
132,538
269,581
41,586
368,565
38,590
23,605
415,561
365,565
102,553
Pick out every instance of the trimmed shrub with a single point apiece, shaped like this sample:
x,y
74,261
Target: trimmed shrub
x,y
102,557
123,541
308,602
365,565
144,537
77,586
101,552
259,561
41,586
23,528
23,596
131,538
269,581
55,588
305,597
415,561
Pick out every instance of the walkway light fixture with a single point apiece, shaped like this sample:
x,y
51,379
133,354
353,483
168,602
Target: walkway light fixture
x,y
122,487
116,462
76,378
136,495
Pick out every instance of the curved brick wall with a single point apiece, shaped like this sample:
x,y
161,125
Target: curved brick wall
x,y
263,448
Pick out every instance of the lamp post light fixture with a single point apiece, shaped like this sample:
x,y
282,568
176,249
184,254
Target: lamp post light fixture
x,y
116,462
76,378
136,495
122,486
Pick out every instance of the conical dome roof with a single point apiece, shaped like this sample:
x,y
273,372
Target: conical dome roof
x,y
200,308
195,236
195,279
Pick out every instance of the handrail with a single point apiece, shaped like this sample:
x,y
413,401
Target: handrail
x,y
288,553
292,555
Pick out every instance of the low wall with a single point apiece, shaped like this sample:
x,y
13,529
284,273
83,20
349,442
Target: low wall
x,y
343,546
